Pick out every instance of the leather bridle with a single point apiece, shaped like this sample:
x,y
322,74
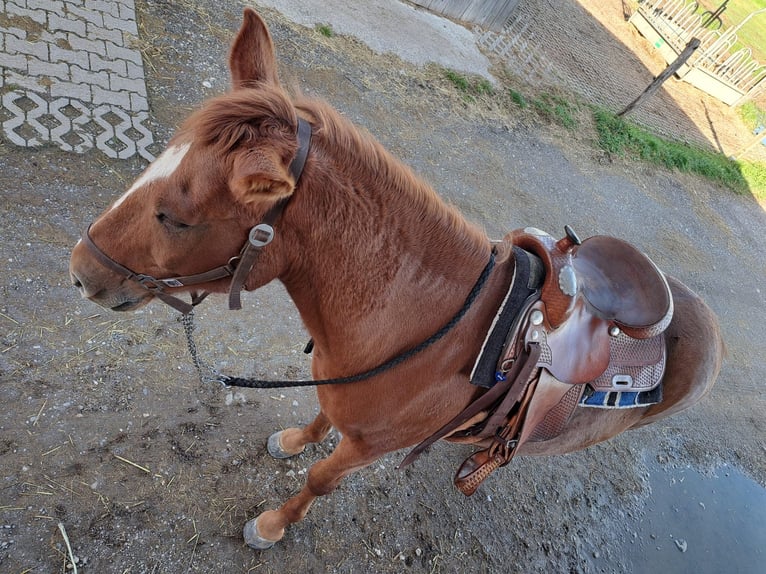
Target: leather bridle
x,y
238,267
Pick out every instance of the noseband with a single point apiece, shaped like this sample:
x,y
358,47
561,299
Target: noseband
x,y
238,267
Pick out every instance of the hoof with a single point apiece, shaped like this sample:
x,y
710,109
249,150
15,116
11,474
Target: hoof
x,y
253,539
274,446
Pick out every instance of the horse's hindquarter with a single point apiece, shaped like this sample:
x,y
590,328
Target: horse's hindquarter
x,y
695,352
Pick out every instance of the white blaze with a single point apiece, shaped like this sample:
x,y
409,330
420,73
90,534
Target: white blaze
x,y
161,168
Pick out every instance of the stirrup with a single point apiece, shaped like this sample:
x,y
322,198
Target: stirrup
x,y
477,467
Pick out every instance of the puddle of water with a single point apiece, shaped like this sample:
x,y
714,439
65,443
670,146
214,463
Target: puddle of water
x,y
699,524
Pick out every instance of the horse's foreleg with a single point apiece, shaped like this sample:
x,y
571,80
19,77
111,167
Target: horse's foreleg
x,y
269,527
292,441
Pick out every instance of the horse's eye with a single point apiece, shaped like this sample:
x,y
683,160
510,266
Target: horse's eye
x,y
170,223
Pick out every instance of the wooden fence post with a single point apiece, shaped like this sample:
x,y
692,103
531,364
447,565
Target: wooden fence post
x,y
659,80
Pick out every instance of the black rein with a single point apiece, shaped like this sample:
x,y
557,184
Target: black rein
x,y
390,364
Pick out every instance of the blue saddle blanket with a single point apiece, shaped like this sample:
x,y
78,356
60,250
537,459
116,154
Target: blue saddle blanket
x,y
621,399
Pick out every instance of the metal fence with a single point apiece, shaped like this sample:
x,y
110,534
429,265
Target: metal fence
x,y
681,20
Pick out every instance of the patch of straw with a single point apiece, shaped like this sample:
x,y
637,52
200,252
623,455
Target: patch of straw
x,y
133,464
68,547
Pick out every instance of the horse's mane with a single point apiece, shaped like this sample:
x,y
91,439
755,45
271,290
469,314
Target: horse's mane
x,y
367,157
226,121
240,116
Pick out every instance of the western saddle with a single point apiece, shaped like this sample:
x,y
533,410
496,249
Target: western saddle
x,y
579,315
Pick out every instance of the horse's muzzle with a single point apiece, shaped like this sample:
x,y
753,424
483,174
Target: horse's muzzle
x,y
103,287
117,300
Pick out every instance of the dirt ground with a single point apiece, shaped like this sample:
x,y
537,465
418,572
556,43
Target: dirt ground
x,y
107,431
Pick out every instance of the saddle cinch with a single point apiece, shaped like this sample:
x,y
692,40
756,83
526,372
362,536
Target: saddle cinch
x,y
592,319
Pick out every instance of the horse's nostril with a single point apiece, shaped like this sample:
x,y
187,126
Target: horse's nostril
x,y
75,281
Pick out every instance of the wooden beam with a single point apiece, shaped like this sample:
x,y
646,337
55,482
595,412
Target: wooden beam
x,y
659,80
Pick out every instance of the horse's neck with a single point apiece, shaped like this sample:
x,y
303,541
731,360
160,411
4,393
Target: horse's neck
x,y
379,262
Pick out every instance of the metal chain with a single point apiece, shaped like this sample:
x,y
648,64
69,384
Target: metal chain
x,y
206,373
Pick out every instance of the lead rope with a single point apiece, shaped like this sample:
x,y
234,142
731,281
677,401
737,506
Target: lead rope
x,y
214,376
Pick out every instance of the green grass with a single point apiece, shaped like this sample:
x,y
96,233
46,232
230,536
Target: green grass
x,y
752,115
469,87
458,80
621,137
755,176
555,109
484,87
325,30
518,99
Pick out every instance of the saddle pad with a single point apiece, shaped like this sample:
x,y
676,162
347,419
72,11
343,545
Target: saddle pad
x,y
621,399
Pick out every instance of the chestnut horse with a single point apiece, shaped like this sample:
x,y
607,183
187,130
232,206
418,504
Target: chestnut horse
x,y
363,248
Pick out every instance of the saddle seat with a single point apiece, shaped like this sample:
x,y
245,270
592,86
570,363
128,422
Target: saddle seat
x,y
593,290
623,286
620,284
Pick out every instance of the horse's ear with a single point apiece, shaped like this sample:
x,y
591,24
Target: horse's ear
x,y
259,175
252,59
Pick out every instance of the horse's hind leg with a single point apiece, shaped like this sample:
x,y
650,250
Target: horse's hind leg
x,y
323,477
292,441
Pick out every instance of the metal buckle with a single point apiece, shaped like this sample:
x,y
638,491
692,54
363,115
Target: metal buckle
x,y
506,365
231,264
153,284
261,229
149,282
509,444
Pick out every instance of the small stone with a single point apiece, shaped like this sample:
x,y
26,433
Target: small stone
x,y
596,554
681,544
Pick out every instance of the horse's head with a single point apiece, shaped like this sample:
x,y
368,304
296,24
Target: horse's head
x,y
193,207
